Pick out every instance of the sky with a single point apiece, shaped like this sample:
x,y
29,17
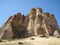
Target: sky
x,y
11,7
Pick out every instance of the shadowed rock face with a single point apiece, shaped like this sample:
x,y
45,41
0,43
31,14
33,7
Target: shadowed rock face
x,y
35,23
15,27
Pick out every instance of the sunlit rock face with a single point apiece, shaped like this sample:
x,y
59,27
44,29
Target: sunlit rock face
x,y
31,24
39,11
6,29
38,21
43,23
35,23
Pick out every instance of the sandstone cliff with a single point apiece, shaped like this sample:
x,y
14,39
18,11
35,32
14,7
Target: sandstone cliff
x,y
35,23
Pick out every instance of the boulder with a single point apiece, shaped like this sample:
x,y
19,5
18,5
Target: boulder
x,y
56,34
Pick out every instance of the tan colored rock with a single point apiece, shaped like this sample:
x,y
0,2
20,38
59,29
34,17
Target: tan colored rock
x,y
31,24
6,30
50,23
35,23
43,23
39,11
14,27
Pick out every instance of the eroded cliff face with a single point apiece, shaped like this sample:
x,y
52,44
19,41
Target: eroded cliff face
x,y
15,27
35,23
41,23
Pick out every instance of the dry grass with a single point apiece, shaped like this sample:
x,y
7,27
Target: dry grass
x,y
37,41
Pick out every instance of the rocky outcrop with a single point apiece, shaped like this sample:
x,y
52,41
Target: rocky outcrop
x,y
41,23
35,23
15,27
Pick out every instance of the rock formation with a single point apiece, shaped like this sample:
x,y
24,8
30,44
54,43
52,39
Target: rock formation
x,y
35,23
15,27
41,23
56,34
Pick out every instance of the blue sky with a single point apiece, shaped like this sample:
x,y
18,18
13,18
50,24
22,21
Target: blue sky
x,y
11,7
